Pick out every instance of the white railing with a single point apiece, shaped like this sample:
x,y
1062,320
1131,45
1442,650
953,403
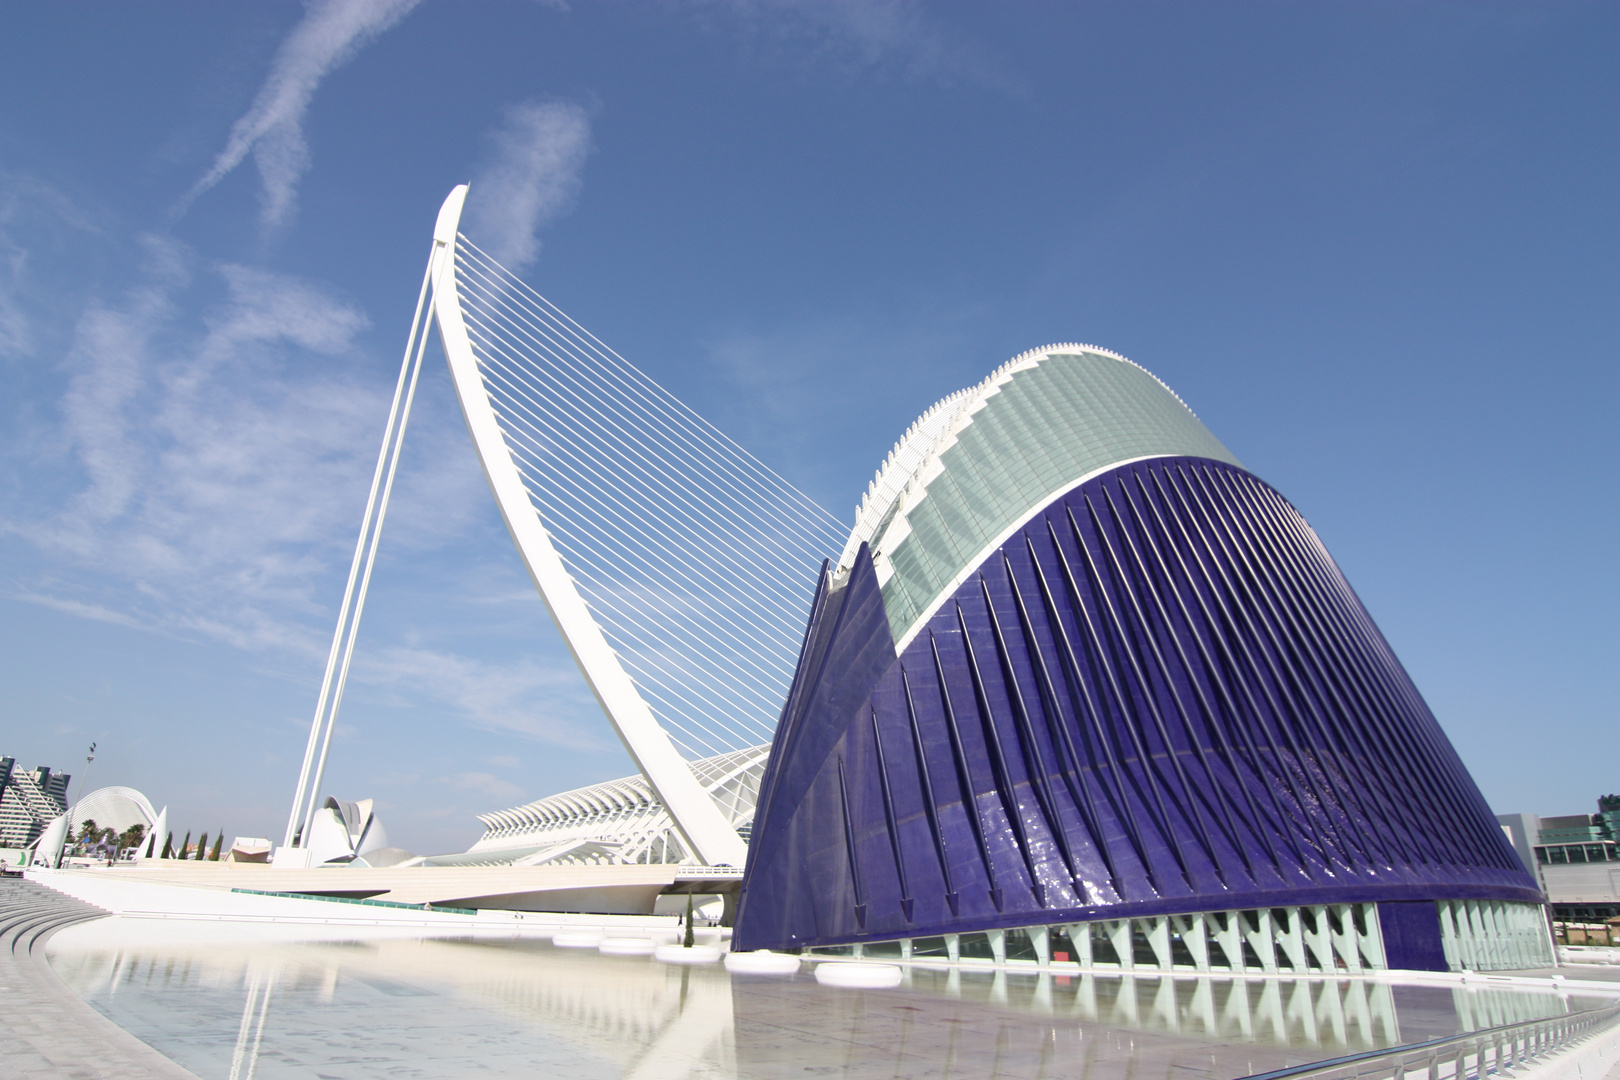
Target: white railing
x,y
1473,1056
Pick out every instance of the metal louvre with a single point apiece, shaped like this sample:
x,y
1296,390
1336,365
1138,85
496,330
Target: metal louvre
x,y
1161,696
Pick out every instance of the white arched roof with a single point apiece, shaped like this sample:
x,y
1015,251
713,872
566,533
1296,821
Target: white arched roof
x,y
624,811
983,460
114,807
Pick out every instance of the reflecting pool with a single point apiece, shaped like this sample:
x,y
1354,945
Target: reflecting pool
x,y
226,1005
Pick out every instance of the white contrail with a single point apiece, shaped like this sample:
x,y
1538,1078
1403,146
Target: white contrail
x,y
331,33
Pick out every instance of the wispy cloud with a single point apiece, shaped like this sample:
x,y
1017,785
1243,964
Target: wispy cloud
x,y
34,215
110,351
16,338
330,34
521,697
199,452
531,178
780,369
82,609
898,35
222,449
214,458
484,784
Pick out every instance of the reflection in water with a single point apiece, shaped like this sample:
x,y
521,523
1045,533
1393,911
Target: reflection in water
x,y
225,1007
245,1061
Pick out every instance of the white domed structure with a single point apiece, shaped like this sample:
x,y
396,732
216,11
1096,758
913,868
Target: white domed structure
x,y
117,808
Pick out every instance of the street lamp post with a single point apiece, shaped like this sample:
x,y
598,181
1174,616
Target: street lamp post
x,y
74,807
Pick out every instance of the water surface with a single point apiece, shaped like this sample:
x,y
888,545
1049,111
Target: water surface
x,y
226,1003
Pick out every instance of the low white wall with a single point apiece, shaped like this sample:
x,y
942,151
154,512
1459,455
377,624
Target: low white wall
x,y
131,897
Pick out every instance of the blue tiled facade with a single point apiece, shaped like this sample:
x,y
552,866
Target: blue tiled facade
x,y
1160,695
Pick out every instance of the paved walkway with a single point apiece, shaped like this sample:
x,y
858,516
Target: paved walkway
x,y
46,1031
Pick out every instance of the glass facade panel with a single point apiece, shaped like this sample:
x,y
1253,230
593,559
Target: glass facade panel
x,y
1479,935
1563,854
1020,946
1064,950
1180,955
1069,415
976,947
1102,948
1141,949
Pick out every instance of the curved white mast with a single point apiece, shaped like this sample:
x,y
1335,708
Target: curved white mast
x,y
699,820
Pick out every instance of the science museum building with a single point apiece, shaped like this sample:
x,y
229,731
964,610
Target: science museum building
x,y
1083,688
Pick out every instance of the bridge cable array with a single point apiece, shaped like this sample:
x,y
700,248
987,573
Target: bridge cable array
x,y
696,559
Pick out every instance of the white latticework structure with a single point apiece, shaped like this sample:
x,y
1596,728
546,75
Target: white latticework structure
x,y
678,567
620,821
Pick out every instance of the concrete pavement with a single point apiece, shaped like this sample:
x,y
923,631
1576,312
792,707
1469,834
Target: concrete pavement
x,y
46,1031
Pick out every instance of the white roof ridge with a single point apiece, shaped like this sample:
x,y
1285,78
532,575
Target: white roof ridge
x,y
1117,356
887,487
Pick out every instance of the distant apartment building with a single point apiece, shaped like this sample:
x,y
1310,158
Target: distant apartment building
x,y
29,801
1576,858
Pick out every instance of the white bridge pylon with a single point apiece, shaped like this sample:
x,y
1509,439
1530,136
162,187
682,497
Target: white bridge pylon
x,y
678,568
695,814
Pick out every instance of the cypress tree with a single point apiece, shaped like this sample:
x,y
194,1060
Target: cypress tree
x,y
689,940
184,846
202,848
217,840
168,847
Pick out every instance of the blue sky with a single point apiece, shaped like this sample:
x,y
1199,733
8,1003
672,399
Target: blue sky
x,y
1372,245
